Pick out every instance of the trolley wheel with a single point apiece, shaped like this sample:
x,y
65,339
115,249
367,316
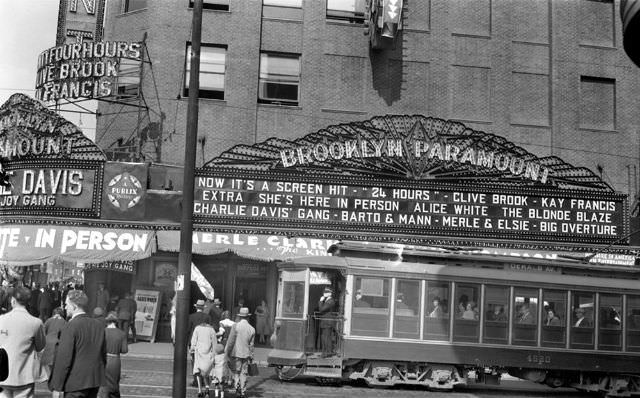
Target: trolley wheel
x,y
287,373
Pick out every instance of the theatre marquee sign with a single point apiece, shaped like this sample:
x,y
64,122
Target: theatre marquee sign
x,y
414,178
54,170
353,206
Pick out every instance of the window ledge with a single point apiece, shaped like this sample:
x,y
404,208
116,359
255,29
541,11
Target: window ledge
x,y
462,120
296,21
601,47
267,105
340,22
186,98
595,130
347,111
471,35
211,10
126,14
541,126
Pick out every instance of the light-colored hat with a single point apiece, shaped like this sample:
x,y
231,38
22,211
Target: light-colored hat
x,y
199,304
217,301
111,317
244,312
328,290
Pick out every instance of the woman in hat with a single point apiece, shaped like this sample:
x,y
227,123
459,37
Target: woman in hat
x,y
203,347
116,342
263,322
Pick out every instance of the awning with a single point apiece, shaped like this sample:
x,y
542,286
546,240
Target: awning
x,y
31,244
258,247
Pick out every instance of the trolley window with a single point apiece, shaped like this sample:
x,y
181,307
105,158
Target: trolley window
x,y
436,323
496,303
633,323
525,317
370,314
610,322
554,318
465,326
292,294
582,321
406,319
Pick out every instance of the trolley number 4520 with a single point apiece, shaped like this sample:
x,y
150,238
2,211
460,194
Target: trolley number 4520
x,y
539,359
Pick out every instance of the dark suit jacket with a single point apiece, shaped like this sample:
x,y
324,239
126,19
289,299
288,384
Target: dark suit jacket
x,y
45,303
81,356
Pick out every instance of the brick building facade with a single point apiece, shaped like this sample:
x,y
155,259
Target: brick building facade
x,y
548,75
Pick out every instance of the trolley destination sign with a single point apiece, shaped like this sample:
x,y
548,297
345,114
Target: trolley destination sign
x,y
427,209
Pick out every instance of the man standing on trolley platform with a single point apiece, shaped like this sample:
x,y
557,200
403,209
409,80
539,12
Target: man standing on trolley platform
x,y
326,306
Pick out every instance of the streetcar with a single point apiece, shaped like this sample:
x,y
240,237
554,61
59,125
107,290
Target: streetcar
x,y
434,317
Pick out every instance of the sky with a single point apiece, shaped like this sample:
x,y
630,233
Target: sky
x,y
27,28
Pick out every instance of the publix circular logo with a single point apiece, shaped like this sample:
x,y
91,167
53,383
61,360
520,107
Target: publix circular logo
x,y
124,191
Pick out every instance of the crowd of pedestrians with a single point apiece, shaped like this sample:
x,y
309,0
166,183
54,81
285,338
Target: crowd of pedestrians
x,y
221,349
49,334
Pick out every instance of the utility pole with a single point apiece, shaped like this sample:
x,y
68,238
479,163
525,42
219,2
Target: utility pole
x,y
183,288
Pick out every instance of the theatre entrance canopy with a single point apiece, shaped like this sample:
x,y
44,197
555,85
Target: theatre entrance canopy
x,y
51,193
413,180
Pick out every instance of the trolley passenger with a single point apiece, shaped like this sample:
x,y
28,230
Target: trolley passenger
x,y
471,313
581,320
526,317
552,319
360,302
437,311
498,314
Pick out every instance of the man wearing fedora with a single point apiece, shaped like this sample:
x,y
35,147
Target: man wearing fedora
x,y
196,319
326,307
239,350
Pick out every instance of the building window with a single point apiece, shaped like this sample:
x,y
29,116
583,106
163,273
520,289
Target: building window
x,y
212,70
222,5
282,9
128,77
279,78
597,103
134,5
346,10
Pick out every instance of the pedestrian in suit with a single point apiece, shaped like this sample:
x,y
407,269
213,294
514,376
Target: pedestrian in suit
x,y
126,310
22,336
79,363
116,342
45,304
52,330
102,297
326,306
239,350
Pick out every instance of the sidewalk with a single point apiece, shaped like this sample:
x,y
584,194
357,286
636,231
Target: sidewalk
x,y
164,351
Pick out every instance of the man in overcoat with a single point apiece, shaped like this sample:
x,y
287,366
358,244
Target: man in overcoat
x,y
21,335
79,363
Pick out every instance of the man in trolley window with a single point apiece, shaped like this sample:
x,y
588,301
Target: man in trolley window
x,y
581,320
326,308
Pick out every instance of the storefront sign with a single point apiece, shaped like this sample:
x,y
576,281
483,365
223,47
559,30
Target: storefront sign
x,y
408,208
28,244
124,191
147,313
126,267
85,70
51,191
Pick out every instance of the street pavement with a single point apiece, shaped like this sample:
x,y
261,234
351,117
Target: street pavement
x,y
147,372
